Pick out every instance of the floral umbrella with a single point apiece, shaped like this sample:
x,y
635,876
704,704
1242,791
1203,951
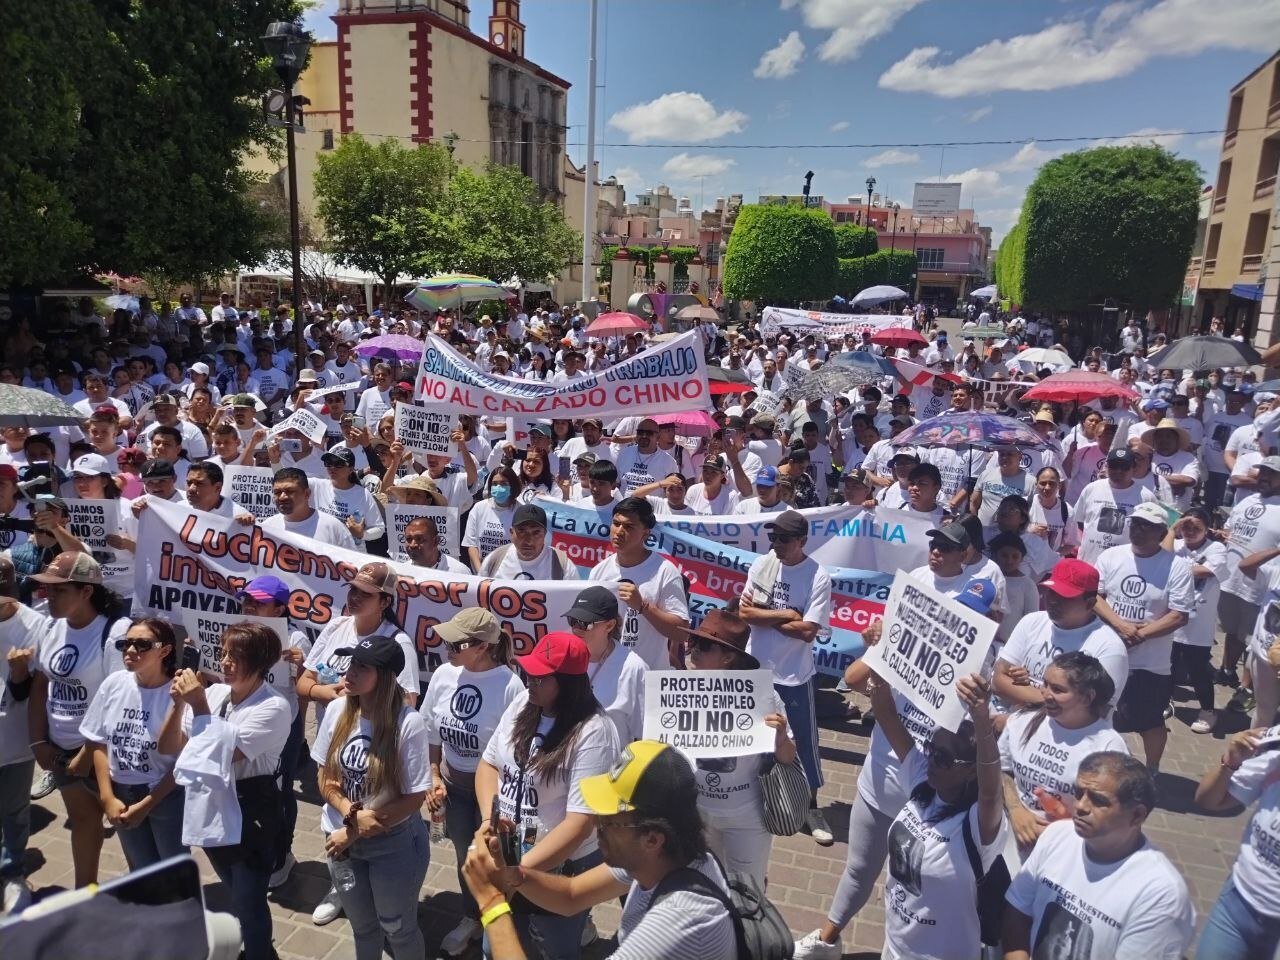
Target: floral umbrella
x,y
24,407
391,345
453,290
971,430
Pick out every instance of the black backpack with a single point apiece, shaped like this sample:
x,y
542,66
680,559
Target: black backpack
x,y
991,888
758,927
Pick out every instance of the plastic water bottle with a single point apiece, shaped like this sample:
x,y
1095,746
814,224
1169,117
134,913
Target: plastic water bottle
x,y
327,675
344,875
437,825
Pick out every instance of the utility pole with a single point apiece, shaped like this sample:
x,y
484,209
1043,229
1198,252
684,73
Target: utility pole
x,y
589,203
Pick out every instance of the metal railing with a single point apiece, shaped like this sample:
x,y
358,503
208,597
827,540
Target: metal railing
x,y
1264,187
1251,263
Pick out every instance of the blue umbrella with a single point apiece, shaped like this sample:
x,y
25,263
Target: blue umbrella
x,y
868,363
971,429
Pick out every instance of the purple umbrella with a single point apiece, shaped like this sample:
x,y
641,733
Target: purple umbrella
x,y
394,346
971,429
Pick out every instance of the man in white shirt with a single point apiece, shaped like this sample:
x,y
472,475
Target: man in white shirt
x,y
1105,503
165,407
766,499
292,493
1252,526
224,311
642,462
529,555
1171,460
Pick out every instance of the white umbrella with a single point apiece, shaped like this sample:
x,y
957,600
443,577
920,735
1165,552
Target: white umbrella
x,y
878,294
984,293
1036,358
122,301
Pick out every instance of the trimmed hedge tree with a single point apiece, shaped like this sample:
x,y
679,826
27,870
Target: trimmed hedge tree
x,y
781,254
855,241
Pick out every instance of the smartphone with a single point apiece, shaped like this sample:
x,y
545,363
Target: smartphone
x,y
508,842
43,502
357,422
291,446
563,473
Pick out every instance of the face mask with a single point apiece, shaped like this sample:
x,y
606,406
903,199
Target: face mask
x,y
500,493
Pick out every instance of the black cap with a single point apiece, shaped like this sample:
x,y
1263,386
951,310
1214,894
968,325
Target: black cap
x,y
339,456
529,513
973,524
585,459
951,534
1120,457
593,605
155,469
377,651
790,523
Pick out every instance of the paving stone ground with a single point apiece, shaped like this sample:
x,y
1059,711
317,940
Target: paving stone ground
x,y
802,875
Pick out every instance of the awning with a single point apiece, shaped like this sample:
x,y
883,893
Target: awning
x,y
1247,291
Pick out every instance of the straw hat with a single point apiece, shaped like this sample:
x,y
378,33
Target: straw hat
x,y
1166,424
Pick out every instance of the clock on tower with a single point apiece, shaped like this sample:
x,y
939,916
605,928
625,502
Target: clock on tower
x,y
505,29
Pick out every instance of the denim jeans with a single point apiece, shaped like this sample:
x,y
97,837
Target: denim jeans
x,y
246,885
1235,931
389,872
549,936
290,761
159,835
461,821
15,816
803,721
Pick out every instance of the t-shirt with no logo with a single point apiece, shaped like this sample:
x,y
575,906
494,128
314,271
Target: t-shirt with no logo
x,y
462,709
1256,872
1254,524
339,634
1142,590
261,721
1103,513
319,526
1052,755
25,629
1199,629
1036,642
353,760
804,587
661,584
1137,908
76,662
684,925
127,718
618,683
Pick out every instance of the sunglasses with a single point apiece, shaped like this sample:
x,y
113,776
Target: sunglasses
x,y
782,538
142,646
576,624
942,758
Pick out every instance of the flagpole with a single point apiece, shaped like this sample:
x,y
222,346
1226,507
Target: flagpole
x,y
589,201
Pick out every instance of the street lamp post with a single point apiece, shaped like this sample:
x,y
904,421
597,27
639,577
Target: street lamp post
x,y
893,243
288,47
871,185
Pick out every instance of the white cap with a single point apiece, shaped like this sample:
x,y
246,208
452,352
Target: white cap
x,y
199,367
90,465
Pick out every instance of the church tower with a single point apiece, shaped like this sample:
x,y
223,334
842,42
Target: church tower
x,y
505,29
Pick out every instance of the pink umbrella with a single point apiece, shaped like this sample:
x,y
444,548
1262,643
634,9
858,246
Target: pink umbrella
x,y
610,324
692,423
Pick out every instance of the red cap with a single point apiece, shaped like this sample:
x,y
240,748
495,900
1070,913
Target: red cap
x,y
106,410
8,472
1072,578
406,386
558,652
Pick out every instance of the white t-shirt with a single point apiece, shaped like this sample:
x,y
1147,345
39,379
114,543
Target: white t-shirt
x,y
751,507
341,504
543,567
618,683
76,662
1036,642
1256,872
1061,532
284,675
550,800
339,634
319,526
127,718
353,760
995,486
488,526
1254,525
635,469
1266,629
1182,463
1103,514
24,629
261,722
1199,629
1051,756
1133,908
729,792
725,502
804,587
1217,432
660,584
462,709
1144,589
930,889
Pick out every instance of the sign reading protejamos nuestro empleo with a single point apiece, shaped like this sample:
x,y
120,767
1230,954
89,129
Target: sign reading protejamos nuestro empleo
x,y
667,378
204,632
929,641
423,431
251,487
710,713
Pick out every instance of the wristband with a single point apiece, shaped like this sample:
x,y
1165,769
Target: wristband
x,y
36,743
493,913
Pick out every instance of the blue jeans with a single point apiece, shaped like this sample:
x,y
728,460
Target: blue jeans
x,y
159,835
15,816
803,720
550,936
389,872
461,821
290,761
1236,931
246,885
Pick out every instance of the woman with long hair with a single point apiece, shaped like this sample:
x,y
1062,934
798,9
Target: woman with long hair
x,y
465,699
122,728
72,662
490,519
1069,725
545,744
616,671
1051,514
537,366
373,773
536,477
1193,642
258,718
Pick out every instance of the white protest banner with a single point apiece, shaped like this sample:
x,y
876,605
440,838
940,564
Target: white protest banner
x,y
250,487
422,430
667,378
204,632
710,713
994,391
92,521
321,393
929,642
305,422
400,515
774,320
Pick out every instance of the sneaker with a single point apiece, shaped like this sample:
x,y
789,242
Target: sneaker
x,y
328,910
1226,678
843,687
43,785
17,895
1242,700
278,878
819,829
1204,723
1168,711
457,940
813,947
589,934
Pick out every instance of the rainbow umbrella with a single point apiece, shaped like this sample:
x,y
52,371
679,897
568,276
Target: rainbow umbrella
x,y
453,290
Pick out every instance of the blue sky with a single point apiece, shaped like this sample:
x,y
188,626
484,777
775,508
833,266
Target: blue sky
x,y
693,89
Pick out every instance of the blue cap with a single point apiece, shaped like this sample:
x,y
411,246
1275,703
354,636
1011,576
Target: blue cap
x,y
266,590
767,477
978,595
1245,389
1155,403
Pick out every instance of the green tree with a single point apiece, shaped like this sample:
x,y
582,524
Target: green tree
x,y
383,207
850,275
1009,263
781,254
1112,222
855,241
502,227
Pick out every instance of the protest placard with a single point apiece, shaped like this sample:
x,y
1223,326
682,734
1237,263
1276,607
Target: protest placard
x,y
250,487
710,713
305,422
400,515
322,394
421,430
766,404
929,642
92,521
204,632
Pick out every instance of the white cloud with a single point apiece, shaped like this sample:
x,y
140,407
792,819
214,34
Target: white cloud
x,y
980,114
691,166
1212,144
1147,135
851,24
630,177
1120,40
690,117
783,59
839,125
1029,157
888,158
